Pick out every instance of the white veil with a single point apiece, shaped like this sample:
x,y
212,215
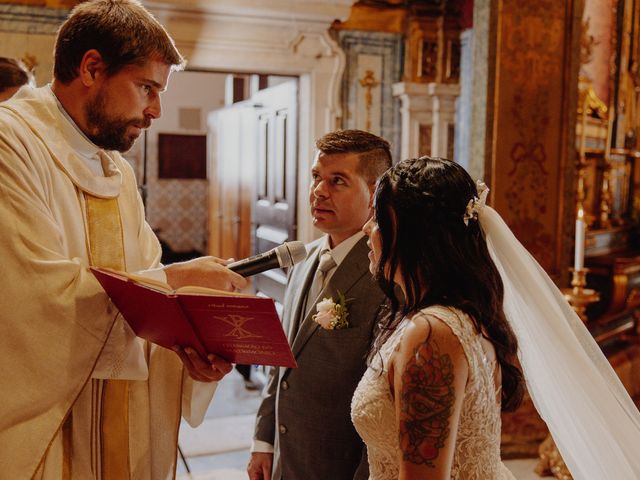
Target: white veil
x,y
591,417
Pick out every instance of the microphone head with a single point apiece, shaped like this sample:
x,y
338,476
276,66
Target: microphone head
x,y
290,253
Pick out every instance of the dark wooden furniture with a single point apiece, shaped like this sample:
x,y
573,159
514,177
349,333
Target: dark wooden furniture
x,y
612,248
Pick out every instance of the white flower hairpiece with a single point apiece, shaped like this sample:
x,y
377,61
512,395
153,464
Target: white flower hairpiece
x,y
476,203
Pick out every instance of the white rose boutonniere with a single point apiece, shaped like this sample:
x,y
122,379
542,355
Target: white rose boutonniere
x,y
331,315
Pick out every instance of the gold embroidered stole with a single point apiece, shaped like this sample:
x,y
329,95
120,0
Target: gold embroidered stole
x,y
106,249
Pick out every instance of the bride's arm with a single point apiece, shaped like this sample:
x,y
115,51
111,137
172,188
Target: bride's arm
x,y
429,373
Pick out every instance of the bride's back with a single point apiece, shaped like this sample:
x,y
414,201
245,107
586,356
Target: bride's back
x,y
477,448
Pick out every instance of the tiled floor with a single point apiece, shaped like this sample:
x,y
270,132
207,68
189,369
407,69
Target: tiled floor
x,y
219,448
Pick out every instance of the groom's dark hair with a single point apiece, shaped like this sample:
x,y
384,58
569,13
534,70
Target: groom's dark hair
x,y
374,152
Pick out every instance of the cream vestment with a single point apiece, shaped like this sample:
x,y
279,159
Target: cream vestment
x,y
78,388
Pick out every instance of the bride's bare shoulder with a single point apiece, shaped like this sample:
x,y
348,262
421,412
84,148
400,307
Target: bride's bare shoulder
x,y
427,336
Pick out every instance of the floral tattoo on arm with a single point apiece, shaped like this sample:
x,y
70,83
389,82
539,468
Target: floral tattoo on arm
x,y
426,402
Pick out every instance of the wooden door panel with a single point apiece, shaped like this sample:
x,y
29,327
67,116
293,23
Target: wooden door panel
x,y
231,159
252,173
275,206
280,150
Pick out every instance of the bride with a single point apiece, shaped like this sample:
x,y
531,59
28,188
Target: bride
x,y
475,306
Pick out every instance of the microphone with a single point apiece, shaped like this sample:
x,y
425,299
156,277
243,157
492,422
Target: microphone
x,y
284,255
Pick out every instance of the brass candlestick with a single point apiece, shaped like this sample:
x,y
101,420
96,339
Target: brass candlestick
x,y
578,296
605,196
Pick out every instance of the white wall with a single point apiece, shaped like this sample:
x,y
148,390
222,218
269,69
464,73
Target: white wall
x,y
17,45
179,207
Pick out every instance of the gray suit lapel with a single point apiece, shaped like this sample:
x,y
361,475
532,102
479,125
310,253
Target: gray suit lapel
x,y
352,268
302,275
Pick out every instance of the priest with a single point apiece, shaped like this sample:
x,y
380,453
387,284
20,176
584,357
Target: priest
x,y
82,397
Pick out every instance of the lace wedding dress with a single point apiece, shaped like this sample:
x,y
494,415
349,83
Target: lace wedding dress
x,y
477,452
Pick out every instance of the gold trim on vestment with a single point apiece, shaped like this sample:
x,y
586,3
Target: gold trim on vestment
x,y
106,238
106,249
114,426
67,447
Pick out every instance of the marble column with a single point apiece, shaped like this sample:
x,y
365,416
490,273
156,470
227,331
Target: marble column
x,y
427,118
462,151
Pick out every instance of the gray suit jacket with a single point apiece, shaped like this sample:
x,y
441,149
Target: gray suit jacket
x,y
306,413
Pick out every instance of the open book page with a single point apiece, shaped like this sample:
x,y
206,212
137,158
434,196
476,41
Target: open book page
x,y
239,328
165,287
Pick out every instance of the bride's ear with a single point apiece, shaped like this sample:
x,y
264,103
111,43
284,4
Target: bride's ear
x,y
372,191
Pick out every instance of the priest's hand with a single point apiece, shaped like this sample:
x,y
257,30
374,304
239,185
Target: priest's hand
x,y
211,370
209,272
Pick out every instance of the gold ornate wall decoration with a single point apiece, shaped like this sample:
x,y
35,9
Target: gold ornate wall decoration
x,y
605,190
589,102
550,461
587,43
368,82
432,52
627,91
531,121
428,54
529,179
591,167
375,17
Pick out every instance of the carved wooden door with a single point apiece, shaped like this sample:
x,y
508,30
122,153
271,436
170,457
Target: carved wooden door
x,y
274,210
252,177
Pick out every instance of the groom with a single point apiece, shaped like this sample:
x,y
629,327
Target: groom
x,y
303,428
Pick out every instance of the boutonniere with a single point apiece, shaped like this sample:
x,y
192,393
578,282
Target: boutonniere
x,y
332,315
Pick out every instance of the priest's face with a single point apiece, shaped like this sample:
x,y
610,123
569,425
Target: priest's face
x,y
125,103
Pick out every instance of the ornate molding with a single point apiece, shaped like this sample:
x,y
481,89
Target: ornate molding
x,y
232,35
31,20
319,12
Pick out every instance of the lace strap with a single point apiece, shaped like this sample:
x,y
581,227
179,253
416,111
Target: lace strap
x,y
462,329
380,361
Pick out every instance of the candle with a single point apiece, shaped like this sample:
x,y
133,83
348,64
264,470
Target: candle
x,y
578,263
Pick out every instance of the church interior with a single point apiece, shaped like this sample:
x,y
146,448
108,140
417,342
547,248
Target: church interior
x,y
540,98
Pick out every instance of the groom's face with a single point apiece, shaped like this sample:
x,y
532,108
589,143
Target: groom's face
x,y
339,196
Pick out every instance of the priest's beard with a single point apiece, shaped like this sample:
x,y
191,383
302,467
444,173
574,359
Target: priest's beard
x,y
107,132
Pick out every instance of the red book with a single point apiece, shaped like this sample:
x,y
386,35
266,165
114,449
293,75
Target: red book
x,y
239,328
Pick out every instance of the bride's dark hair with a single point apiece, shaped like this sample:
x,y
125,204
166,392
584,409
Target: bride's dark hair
x,y
419,207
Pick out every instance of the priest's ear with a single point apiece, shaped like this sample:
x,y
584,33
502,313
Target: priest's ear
x,y
92,67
